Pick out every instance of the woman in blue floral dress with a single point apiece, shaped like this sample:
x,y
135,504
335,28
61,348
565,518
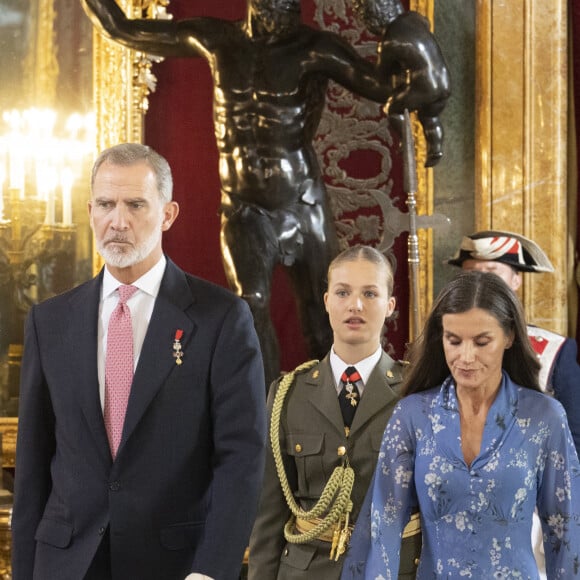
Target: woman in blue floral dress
x,y
476,446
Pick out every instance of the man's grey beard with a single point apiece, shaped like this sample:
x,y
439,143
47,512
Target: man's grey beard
x,y
125,259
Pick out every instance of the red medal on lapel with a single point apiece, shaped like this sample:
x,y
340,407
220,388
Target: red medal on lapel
x,y
177,351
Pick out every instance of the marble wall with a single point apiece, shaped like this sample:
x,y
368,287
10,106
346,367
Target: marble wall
x,y
505,164
454,177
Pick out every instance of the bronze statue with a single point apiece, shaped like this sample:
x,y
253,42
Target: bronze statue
x,y
270,74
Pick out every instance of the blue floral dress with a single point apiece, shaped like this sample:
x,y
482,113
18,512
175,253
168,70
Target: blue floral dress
x,y
476,519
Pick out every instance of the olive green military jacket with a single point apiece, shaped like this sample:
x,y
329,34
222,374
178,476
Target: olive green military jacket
x,y
313,443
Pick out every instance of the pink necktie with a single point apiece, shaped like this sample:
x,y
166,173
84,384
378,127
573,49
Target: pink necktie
x,y
118,367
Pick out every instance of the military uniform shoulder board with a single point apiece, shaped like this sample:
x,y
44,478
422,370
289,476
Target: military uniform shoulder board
x,y
310,367
546,345
394,374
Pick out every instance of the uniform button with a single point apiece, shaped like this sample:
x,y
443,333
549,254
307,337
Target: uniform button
x,y
341,451
286,552
298,448
114,486
416,561
102,530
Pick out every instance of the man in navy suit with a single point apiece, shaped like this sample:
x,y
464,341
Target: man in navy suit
x,y
177,498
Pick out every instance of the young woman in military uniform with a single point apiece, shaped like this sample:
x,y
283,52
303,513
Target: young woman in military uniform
x,y
321,458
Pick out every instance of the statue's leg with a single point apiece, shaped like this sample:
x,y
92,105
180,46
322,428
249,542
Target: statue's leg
x,y
308,276
433,131
249,253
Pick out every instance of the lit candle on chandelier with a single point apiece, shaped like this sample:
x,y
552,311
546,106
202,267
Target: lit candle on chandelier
x,y
2,179
66,181
50,217
41,170
47,184
16,167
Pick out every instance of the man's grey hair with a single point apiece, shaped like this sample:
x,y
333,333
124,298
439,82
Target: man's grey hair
x,y
127,154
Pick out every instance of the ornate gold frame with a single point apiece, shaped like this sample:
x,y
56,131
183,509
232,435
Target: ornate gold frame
x,y
8,429
122,81
424,194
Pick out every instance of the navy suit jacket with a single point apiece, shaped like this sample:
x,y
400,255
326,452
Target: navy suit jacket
x,y
182,493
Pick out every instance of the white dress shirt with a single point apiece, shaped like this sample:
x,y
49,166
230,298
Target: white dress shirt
x,y
364,367
141,306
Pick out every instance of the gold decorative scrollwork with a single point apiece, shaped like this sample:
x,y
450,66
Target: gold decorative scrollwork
x,y
123,81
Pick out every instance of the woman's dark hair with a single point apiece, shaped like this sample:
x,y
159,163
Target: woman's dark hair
x,y
469,290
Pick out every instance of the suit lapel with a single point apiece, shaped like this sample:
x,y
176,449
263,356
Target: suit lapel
x,y
156,361
378,393
323,395
82,329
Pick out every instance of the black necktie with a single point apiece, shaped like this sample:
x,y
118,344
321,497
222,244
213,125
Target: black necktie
x,y
349,395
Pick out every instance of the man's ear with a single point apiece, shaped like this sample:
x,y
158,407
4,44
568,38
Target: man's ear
x,y
170,213
516,281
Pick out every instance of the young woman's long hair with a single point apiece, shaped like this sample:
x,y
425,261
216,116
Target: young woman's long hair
x,y
468,290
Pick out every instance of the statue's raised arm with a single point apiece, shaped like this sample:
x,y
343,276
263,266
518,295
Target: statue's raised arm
x,y
160,37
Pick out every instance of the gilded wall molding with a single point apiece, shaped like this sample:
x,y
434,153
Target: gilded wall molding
x,y
122,82
425,193
521,139
41,63
9,430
